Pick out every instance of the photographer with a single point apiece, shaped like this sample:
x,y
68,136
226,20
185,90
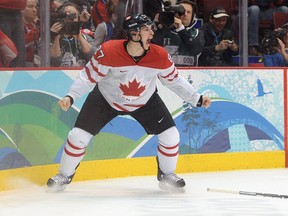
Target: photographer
x,y
258,11
219,45
69,48
176,33
276,48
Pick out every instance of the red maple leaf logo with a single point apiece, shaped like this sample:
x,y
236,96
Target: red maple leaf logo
x,y
132,88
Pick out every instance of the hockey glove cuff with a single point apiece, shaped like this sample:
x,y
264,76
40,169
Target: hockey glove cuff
x,y
200,101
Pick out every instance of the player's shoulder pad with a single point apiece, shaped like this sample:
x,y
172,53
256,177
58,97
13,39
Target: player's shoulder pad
x,y
158,49
112,44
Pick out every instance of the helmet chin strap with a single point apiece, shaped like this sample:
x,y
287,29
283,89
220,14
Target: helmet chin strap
x,y
141,43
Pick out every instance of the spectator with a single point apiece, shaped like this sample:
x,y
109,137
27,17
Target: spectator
x,y
118,32
85,16
276,56
11,24
104,31
219,45
8,51
32,33
69,46
182,41
100,11
259,10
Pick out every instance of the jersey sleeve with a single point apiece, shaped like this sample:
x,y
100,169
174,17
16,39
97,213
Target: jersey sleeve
x,y
90,75
171,78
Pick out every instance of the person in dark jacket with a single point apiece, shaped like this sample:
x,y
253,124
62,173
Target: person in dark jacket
x,y
183,42
219,46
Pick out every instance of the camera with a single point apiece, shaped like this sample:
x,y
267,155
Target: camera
x,y
271,41
166,17
70,27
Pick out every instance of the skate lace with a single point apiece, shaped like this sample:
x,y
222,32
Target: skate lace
x,y
61,179
172,177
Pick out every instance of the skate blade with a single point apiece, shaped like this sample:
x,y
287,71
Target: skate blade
x,y
170,188
55,189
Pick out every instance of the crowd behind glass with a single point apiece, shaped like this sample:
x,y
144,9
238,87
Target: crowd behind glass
x,y
192,34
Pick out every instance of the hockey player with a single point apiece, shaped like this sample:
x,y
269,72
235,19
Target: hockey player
x,y
123,75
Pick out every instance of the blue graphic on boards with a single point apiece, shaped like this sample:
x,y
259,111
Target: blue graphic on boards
x,y
207,130
260,88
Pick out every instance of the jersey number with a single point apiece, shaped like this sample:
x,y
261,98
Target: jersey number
x,y
100,53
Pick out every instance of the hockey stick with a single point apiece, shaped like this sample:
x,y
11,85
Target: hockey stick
x,y
248,193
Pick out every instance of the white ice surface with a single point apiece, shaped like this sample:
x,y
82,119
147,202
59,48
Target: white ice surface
x,y
141,196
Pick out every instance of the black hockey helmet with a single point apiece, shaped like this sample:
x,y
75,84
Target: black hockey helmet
x,y
134,23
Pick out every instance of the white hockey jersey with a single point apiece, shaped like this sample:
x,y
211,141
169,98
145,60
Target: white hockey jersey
x,y
127,85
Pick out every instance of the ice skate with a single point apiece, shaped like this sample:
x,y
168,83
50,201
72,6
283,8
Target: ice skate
x,y
58,182
170,182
